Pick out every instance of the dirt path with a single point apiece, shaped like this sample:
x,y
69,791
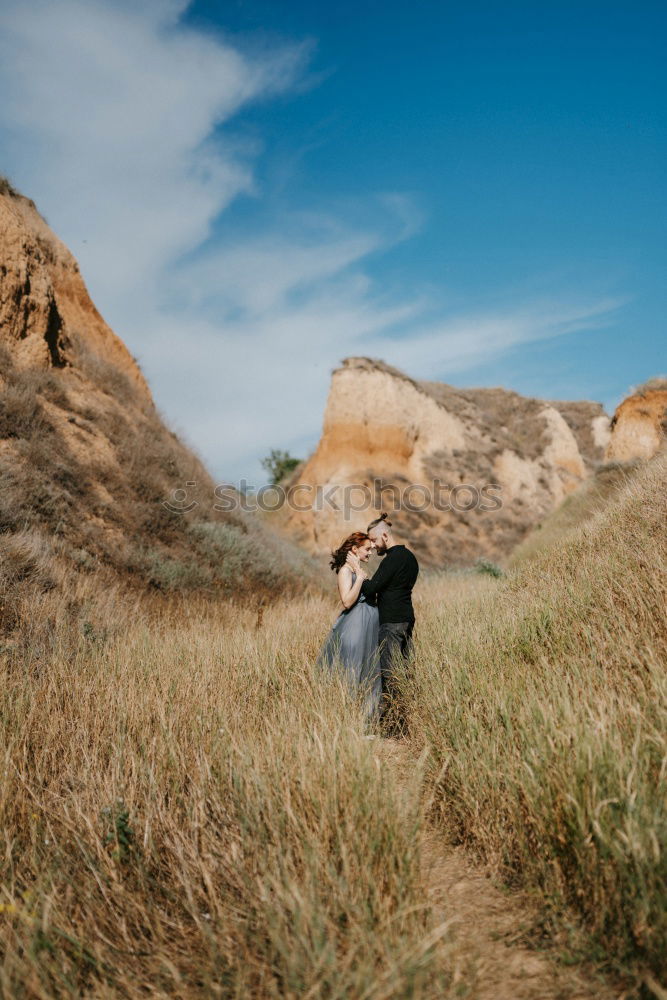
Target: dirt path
x,y
489,925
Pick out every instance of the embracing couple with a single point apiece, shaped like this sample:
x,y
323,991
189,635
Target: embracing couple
x,y
376,624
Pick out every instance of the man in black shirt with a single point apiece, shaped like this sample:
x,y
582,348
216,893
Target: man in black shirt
x,y
391,588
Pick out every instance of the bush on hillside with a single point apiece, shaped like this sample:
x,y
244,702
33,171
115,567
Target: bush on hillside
x,y
279,465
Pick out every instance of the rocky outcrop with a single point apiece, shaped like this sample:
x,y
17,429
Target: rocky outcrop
x,y
47,317
639,424
94,487
468,471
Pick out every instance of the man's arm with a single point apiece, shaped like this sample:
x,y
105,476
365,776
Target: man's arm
x,y
379,580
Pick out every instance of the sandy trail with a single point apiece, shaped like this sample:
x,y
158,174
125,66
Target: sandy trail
x,y
489,925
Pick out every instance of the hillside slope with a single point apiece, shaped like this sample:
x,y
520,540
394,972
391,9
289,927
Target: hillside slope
x,y
638,433
590,498
541,699
86,462
397,437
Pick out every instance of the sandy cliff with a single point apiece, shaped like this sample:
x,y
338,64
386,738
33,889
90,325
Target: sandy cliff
x,y
47,317
399,437
86,462
639,424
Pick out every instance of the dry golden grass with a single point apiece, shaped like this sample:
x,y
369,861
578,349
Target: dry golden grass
x,y
542,699
590,498
189,809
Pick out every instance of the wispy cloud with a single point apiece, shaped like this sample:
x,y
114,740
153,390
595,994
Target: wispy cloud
x,y
118,120
275,317
109,113
460,342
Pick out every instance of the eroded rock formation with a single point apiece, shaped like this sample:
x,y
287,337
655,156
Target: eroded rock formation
x,y
639,424
400,441
47,317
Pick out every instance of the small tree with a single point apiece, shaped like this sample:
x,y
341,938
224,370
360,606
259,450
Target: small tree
x,y
279,465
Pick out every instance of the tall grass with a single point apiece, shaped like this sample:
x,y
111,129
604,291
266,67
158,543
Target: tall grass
x,y
543,700
189,809
591,496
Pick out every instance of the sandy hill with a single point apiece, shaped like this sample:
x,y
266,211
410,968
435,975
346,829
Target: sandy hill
x,y
85,458
387,432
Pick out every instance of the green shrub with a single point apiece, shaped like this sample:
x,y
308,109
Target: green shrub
x,y
279,465
489,568
168,573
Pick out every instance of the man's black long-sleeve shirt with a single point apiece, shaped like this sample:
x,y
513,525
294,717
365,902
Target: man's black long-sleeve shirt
x,y
392,585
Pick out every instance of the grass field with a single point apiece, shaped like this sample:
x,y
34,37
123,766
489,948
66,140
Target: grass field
x,y
189,809
543,703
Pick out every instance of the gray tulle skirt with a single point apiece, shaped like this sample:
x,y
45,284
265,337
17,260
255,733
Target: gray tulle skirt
x,y
352,646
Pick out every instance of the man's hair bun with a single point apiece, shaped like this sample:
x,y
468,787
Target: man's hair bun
x,y
383,518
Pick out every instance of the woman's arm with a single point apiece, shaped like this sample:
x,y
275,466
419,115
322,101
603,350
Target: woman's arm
x,y
349,592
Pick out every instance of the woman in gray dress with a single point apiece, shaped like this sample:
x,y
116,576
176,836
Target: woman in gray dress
x,y
352,643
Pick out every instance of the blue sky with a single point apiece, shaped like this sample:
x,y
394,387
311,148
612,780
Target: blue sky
x,y
473,192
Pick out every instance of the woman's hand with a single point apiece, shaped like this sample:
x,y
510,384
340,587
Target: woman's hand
x,y
354,564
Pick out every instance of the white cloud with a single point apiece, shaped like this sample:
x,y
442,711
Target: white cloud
x,y
111,118
275,318
459,342
108,112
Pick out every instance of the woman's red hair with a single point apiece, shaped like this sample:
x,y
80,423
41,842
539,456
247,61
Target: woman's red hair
x,y
339,556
